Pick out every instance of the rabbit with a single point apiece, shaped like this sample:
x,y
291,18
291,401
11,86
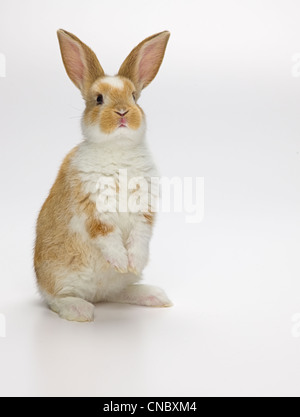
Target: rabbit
x,y
84,255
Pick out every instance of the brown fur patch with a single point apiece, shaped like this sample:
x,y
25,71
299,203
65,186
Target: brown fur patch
x,y
96,228
57,249
150,217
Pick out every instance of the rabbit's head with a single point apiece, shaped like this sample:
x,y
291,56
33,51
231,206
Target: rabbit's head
x,y
111,109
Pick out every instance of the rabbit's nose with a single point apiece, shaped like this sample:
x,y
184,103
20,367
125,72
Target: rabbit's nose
x,y
122,113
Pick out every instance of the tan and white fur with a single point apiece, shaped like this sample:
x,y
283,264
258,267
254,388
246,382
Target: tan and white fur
x,y
84,256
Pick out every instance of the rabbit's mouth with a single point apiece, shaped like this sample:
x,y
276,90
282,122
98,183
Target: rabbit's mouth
x,y
123,122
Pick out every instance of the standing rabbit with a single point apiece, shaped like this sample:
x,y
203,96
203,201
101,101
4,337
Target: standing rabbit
x,y
84,255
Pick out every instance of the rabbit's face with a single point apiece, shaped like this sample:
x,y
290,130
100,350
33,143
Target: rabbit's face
x,y
111,107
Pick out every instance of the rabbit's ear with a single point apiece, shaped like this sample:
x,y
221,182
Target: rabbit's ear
x,y
80,62
143,63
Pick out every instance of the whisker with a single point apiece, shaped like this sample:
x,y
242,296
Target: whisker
x,y
75,108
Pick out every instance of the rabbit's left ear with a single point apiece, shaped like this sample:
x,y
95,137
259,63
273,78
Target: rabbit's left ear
x,y
143,63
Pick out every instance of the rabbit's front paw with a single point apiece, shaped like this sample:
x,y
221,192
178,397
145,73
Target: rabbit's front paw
x,y
137,260
118,260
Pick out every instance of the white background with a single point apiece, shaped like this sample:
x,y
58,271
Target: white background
x,y
226,107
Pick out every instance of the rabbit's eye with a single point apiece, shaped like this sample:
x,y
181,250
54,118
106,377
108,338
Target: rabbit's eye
x,y
100,99
134,96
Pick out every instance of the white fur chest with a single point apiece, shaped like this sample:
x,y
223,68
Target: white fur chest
x,y
97,164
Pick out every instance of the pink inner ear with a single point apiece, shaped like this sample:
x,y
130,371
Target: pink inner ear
x,y
151,59
74,63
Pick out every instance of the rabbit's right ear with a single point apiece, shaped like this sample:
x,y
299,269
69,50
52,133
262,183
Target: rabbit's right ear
x,y
80,62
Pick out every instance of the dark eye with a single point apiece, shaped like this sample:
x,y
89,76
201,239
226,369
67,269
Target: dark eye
x,y
134,96
100,99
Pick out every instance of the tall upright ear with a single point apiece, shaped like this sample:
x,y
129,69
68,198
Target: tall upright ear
x,y
143,63
80,62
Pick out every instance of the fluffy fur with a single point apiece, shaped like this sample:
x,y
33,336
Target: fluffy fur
x,y
84,256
